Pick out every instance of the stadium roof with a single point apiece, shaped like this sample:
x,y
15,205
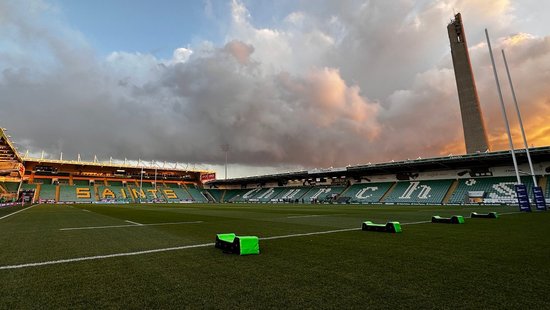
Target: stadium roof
x,y
451,162
9,153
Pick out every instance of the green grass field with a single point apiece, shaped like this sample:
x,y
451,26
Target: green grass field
x,y
502,263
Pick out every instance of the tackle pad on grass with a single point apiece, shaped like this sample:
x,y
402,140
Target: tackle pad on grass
x,y
455,219
391,227
242,245
490,215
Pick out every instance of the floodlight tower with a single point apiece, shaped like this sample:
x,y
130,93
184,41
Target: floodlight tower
x,y
225,148
475,135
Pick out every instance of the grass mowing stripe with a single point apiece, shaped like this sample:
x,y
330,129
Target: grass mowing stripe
x,y
78,259
3,217
134,224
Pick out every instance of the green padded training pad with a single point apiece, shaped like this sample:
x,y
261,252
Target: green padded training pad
x,y
249,245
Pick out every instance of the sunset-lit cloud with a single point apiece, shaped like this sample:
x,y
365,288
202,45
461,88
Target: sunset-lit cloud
x,y
332,83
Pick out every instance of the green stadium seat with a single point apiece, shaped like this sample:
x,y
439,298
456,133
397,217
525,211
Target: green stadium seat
x,y
216,193
76,193
47,192
419,192
496,190
322,193
367,192
196,194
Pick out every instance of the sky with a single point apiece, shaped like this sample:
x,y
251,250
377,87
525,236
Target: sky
x,y
288,85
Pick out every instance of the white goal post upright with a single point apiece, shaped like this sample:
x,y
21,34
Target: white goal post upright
x,y
520,120
511,143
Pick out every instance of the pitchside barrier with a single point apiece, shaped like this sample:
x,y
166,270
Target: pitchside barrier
x,y
490,215
455,219
391,227
242,245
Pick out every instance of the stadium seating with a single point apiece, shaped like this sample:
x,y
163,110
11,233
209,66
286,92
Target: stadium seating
x,y
26,186
322,193
547,194
47,192
176,194
268,194
419,192
232,195
196,194
81,182
76,193
216,193
367,192
114,193
247,195
292,193
492,189
11,186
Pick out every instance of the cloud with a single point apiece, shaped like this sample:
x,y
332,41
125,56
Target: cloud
x,y
333,84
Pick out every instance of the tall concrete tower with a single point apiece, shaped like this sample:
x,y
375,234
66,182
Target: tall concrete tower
x,y
475,135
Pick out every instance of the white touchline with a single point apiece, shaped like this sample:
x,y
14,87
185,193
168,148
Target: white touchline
x,y
79,259
132,225
135,223
3,217
313,215
310,234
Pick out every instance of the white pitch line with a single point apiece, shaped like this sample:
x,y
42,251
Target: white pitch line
x,y
86,210
413,223
310,234
79,259
313,215
132,225
135,223
3,217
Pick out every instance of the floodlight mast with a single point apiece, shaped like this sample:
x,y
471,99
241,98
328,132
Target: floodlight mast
x,y
520,120
225,148
511,143
140,184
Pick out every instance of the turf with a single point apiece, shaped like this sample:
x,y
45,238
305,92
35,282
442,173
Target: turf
x,y
485,263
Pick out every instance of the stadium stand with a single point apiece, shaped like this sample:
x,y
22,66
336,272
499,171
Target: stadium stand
x,y
195,193
113,193
268,194
11,187
367,192
76,193
146,193
176,194
246,195
81,182
547,181
292,193
488,190
322,193
217,194
232,195
47,192
419,192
